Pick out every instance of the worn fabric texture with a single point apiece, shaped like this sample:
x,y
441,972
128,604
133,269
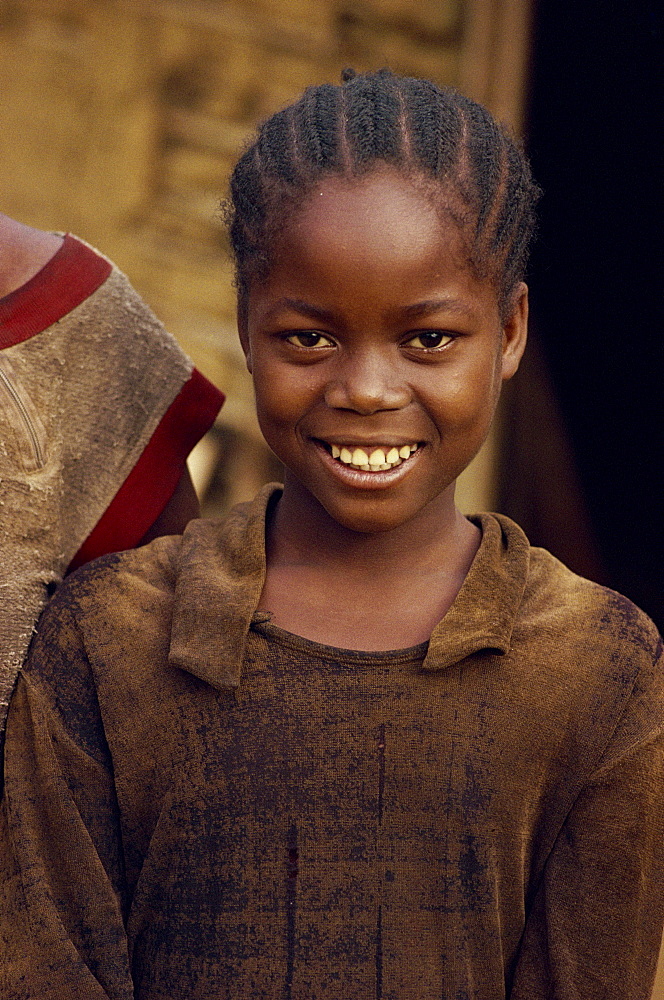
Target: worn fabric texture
x,y
79,401
199,805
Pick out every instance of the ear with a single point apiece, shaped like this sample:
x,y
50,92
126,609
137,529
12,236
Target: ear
x,y
515,331
244,335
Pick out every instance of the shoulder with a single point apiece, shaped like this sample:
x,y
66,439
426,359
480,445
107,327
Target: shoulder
x,y
566,631
113,603
539,595
586,659
81,297
112,311
122,610
568,604
594,649
106,624
111,586
125,602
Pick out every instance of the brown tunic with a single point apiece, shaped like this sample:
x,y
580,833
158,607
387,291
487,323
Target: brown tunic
x,y
199,805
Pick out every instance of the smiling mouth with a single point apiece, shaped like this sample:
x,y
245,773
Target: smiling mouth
x,y
375,460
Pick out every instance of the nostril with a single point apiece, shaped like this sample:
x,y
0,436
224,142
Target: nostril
x,y
366,402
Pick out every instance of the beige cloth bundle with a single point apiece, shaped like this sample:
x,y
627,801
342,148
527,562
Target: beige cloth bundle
x,y
78,404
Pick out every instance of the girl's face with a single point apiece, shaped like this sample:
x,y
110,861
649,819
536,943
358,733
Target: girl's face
x,y
377,354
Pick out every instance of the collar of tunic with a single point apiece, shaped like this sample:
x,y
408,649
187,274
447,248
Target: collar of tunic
x,y
220,574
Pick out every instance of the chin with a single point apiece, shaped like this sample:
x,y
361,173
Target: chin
x,y
369,517
365,524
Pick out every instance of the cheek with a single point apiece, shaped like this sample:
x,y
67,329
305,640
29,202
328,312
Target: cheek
x,y
467,397
272,409
284,396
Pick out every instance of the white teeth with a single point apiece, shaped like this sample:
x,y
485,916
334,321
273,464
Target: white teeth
x,y
360,457
380,459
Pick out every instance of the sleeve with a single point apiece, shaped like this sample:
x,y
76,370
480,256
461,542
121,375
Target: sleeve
x,y
594,928
150,484
62,934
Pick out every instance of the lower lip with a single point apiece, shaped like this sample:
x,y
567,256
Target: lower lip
x,y
368,480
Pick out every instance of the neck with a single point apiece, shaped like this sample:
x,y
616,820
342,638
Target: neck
x,y
436,537
355,590
23,253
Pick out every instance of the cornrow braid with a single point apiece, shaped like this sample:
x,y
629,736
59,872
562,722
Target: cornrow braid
x,y
428,133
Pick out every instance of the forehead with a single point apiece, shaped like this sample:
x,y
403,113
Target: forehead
x,y
370,216
379,239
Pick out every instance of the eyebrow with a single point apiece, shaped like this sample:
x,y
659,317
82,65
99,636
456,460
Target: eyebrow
x,y
418,310
305,308
427,308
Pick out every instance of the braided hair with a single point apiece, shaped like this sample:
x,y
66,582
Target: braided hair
x,y
468,163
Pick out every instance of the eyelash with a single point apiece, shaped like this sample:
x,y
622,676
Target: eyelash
x,y
292,338
446,337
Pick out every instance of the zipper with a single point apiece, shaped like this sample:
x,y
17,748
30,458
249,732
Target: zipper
x,y
25,417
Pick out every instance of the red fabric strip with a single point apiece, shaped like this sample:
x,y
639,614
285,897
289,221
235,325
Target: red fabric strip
x,y
66,280
151,483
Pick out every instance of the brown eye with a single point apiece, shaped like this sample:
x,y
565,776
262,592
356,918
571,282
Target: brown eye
x,y
306,339
429,340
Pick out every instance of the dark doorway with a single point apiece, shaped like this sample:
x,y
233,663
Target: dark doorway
x,y
594,136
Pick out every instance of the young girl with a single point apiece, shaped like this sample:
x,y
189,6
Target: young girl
x,y
347,743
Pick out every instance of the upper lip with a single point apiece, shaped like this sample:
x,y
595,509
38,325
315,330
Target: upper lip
x,y
389,441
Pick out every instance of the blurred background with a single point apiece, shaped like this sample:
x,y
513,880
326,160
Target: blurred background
x,y
120,120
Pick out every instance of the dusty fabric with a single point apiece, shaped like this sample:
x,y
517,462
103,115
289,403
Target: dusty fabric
x,y
199,805
79,401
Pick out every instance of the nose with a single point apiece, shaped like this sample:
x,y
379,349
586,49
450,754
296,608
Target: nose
x,y
367,382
